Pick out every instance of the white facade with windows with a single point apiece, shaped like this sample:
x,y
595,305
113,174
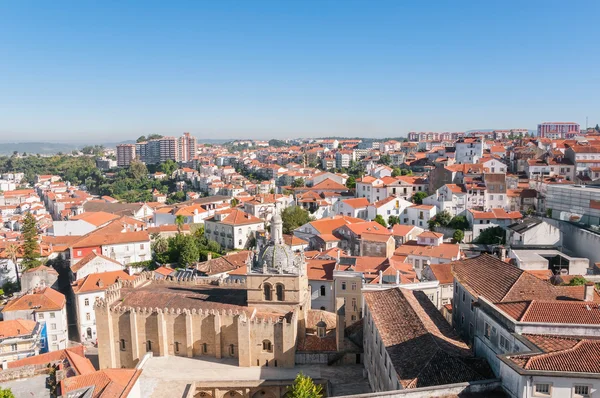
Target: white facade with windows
x,y
86,316
322,295
126,253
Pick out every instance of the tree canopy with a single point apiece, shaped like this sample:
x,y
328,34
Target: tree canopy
x,y
304,387
31,248
380,220
418,197
294,217
491,236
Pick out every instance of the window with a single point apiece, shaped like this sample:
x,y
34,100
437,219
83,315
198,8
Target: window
x,y
487,330
54,337
148,346
204,348
279,291
53,326
471,305
353,317
353,285
542,390
88,316
354,303
267,292
581,391
323,290
504,343
122,344
462,320
231,349
176,346
464,296
52,315
240,242
141,246
86,302
266,345
40,315
13,347
343,285
79,252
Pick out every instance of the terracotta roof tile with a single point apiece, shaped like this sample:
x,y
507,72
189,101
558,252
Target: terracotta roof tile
x,y
423,347
16,327
45,299
104,383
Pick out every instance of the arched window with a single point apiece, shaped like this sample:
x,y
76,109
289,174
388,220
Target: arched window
x,y
267,292
267,345
148,346
176,346
279,291
240,242
231,349
204,348
323,290
122,344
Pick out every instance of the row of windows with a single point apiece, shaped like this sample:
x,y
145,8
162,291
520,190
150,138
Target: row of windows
x,y
268,292
123,346
545,390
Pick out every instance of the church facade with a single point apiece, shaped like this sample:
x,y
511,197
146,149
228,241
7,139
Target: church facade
x,y
257,321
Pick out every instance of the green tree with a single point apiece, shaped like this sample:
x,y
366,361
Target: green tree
x,y
578,281
6,393
351,182
443,218
189,253
31,248
179,221
458,236
393,220
491,236
298,183
406,172
168,167
396,172
385,160
160,247
138,170
294,217
380,220
459,222
304,387
213,246
141,138
235,202
418,197
154,136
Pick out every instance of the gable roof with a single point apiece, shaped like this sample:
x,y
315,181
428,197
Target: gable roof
x,y
100,281
356,202
96,218
75,355
103,383
327,225
236,217
329,184
44,299
87,259
116,232
16,327
497,281
423,347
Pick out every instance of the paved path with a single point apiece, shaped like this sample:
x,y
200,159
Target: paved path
x,y
168,376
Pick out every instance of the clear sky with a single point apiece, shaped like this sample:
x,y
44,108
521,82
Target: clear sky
x,y
113,70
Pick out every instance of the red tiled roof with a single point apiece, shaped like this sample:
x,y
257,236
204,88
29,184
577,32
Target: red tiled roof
x,y
105,383
16,327
578,355
423,347
45,299
442,272
356,202
554,311
100,281
75,356
327,225
85,260
237,217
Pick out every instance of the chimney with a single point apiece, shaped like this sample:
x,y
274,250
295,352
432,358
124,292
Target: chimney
x,y
337,262
380,277
589,291
502,253
397,277
209,256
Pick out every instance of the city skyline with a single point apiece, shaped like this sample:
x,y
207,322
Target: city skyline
x,y
89,73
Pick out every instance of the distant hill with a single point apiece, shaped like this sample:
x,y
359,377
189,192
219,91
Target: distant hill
x,y
43,148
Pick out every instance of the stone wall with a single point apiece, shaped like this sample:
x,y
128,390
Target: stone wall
x,y
458,389
23,372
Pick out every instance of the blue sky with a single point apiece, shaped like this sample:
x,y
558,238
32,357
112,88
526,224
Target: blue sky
x,y
111,70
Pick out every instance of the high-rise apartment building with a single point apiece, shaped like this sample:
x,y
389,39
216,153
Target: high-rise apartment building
x,y
169,149
125,154
558,130
158,150
187,147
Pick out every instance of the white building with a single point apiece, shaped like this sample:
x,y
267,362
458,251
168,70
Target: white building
x,y
532,231
468,150
232,229
418,215
94,263
46,306
87,291
390,206
355,207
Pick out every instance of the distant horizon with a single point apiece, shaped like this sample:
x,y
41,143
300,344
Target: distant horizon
x,y
98,72
75,142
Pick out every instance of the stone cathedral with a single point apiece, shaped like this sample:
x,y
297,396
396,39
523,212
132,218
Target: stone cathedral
x,y
258,321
